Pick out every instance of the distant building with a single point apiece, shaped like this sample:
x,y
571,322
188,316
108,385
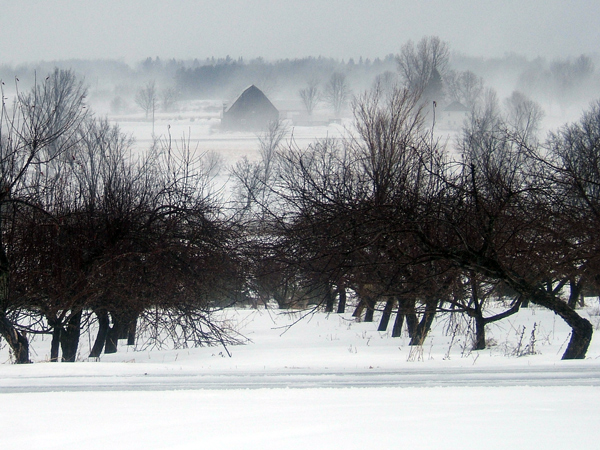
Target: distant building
x,y
251,111
454,116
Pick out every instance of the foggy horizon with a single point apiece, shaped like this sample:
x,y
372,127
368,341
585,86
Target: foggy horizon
x,y
135,30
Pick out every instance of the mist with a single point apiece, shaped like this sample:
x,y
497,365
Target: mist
x,y
563,87
191,51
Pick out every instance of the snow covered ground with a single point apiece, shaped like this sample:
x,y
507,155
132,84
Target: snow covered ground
x,y
328,381
367,418
199,121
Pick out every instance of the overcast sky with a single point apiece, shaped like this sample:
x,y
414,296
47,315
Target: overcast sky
x,y
131,30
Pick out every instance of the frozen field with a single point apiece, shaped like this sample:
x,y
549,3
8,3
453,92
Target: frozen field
x,y
200,120
328,382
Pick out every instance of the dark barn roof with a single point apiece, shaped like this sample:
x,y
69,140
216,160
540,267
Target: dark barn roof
x,y
251,111
456,106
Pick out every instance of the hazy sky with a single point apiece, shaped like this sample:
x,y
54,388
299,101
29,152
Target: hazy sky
x,y
130,30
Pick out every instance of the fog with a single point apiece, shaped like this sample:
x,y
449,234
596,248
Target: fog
x,y
199,50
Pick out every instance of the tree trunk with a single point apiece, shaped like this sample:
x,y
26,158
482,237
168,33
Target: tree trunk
x,y
342,301
575,292
103,324
580,340
479,342
370,310
132,329
122,322
411,317
425,323
125,324
399,321
328,298
112,340
385,317
55,344
17,342
582,329
359,309
69,338
113,334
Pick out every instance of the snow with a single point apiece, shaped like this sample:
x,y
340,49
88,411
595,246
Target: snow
x,y
328,381
199,121
349,418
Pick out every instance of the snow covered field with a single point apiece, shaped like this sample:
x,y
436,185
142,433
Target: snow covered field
x,y
199,121
328,382
427,418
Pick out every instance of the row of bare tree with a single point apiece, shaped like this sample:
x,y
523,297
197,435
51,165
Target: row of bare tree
x,y
415,226
94,232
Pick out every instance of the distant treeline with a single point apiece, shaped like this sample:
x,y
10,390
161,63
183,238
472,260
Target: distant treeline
x,y
215,78
566,81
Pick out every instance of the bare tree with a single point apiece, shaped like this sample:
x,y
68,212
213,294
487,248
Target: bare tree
x,y
310,96
168,98
568,81
37,130
574,162
501,222
116,226
420,66
523,114
571,79
61,242
337,92
391,215
386,82
390,133
118,105
472,297
267,80
487,110
147,99
253,179
464,87
331,230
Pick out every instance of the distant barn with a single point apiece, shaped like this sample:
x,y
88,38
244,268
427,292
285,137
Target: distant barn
x,y
251,111
454,116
